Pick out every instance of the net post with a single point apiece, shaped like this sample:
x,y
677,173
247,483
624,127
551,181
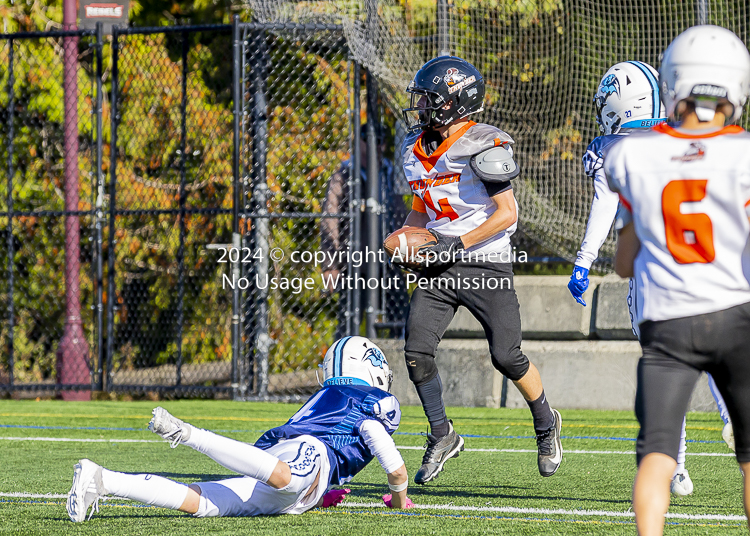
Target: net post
x,y
99,215
701,9
236,239
11,252
354,305
443,28
373,203
112,204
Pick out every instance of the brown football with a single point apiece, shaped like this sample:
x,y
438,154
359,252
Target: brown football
x,y
402,246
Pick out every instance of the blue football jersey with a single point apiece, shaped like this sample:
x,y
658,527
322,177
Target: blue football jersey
x,y
593,158
333,415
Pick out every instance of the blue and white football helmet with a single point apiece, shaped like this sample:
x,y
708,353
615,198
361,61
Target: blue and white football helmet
x,y
356,361
628,97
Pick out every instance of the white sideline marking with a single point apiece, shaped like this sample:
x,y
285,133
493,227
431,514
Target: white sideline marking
x,y
455,508
522,451
548,511
77,440
566,451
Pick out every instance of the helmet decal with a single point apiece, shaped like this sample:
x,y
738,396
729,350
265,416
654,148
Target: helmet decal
x,y
453,76
609,86
338,351
376,357
656,106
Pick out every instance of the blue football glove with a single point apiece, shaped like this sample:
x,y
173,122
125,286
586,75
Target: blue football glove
x,y
578,283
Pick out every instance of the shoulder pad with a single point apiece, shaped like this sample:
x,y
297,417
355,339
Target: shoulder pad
x,y
495,165
478,138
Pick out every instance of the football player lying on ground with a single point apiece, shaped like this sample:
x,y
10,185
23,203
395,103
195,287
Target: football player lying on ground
x,y
292,467
626,100
683,234
460,172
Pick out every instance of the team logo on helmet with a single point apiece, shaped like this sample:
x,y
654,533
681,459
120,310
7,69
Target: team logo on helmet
x,y
376,357
453,76
609,86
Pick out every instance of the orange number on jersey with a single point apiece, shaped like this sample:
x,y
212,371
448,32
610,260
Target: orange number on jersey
x,y
445,210
690,237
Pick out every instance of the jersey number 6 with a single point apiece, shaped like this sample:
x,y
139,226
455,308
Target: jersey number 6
x,y
690,237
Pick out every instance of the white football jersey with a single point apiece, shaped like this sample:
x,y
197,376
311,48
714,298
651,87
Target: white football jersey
x,y
688,196
446,188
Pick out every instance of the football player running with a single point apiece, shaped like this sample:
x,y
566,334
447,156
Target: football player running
x,y
627,99
460,172
291,468
684,235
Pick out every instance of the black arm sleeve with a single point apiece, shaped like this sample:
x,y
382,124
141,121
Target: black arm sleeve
x,y
494,188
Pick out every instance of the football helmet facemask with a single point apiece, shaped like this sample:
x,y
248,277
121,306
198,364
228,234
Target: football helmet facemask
x,y
444,89
356,361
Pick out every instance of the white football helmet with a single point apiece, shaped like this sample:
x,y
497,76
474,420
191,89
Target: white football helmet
x,y
628,97
356,361
705,64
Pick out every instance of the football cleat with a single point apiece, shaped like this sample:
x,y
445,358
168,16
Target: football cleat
x,y
681,484
168,427
727,434
86,491
439,451
550,447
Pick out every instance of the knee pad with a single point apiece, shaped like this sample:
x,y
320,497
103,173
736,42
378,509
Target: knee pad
x,y
514,366
421,367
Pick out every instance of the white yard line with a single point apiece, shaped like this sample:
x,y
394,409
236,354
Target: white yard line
x,y
568,451
77,440
522,451
456,508
546,511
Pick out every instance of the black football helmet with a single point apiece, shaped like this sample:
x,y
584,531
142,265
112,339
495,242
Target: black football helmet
x,y
444,89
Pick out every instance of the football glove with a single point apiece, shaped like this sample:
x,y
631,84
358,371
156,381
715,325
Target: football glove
x,y
578,283
444,252
334,497
387,500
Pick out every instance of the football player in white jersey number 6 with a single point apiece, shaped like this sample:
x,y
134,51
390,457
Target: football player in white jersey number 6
x,y
292,467
460,172
627,98
684,234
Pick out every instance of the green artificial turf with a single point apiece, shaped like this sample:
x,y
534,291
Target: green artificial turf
x,y
459,497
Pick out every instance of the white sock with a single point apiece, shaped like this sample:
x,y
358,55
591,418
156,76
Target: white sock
x,y
718,399
682,451
236,456
148,489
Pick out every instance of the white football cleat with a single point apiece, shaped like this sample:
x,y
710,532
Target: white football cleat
x,y
681,484
168,427
727,434
86,490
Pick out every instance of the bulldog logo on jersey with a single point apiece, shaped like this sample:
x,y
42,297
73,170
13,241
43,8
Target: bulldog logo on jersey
x,y
376,357
696,151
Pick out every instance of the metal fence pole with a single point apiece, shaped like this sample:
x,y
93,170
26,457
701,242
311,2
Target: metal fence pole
x,y
183,184
373,205
354,305
73,353
237,391
701,8
99,200
259,133
112,205
11,254
443,28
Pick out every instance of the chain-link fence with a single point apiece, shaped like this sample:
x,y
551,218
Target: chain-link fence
x,y
213,164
